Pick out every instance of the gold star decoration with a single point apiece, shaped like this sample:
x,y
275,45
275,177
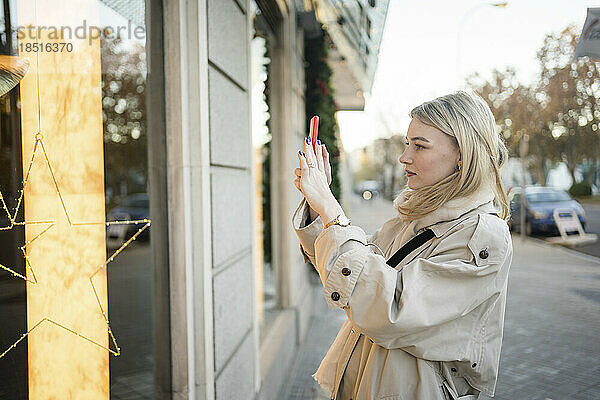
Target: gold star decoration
x,y
116,351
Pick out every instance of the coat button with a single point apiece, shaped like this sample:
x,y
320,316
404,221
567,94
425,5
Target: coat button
x,y
474,365
335,296
453,369
346,271
484,254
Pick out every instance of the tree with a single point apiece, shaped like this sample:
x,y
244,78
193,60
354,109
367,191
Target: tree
x,y
571,92
518,110
560,112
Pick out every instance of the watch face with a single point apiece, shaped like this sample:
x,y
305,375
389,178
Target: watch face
x,y
343,220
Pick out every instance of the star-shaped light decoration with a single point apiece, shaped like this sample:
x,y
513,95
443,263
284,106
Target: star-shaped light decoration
x,y
116,351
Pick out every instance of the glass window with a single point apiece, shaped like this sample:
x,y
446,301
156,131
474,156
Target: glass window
x,y
130,274
266,272
13,286
118,99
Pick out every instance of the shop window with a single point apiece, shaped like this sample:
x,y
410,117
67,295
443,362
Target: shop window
x,y
83,109
266,271
131,274
13,289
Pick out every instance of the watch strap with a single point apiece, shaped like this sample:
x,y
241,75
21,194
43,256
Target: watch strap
x,y
335,221
332,222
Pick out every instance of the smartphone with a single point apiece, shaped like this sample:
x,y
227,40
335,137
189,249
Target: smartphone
x,y
314,130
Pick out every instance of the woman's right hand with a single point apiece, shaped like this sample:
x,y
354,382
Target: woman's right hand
x,y
322,160
322,156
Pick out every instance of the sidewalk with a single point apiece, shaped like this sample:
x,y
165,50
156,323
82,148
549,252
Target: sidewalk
x,y
550,347
324,326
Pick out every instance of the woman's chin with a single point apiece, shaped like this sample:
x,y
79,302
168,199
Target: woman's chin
x,y
412,185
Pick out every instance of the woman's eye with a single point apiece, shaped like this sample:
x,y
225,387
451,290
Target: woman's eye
x,y
418,146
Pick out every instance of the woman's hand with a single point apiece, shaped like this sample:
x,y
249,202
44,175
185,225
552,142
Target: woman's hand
x,y
321,154
313,179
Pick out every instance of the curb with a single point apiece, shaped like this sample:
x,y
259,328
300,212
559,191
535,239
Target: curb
x,y
575,253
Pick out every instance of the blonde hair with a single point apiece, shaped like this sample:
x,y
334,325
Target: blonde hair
x,y
468,119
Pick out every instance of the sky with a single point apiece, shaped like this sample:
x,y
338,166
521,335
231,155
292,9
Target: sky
x,y
428,44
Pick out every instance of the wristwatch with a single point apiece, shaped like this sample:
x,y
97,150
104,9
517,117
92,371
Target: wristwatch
x,y
340,220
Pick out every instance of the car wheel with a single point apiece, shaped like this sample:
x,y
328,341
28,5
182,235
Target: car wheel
x,y
528,228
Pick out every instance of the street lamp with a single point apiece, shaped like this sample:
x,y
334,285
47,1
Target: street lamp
x,y
502,4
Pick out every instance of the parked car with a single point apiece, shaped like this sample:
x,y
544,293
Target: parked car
x,y
134,207
540,203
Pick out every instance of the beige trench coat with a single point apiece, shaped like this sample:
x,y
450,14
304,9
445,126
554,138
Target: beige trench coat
x,y
429,329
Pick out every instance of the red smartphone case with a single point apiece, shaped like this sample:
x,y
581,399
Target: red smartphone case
x,y
314,130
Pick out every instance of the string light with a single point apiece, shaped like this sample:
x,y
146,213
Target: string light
x,y
145,221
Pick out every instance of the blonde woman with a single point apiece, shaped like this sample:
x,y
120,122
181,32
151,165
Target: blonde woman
x,y
425,295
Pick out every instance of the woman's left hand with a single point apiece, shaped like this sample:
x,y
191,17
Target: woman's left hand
x,y
312,182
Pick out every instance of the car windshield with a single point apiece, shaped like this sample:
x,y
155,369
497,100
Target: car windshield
x,y
547,196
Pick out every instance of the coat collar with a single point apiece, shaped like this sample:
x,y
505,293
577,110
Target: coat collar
x,y
444,218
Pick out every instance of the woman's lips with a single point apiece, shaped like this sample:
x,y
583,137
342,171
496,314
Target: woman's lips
x,y
408,173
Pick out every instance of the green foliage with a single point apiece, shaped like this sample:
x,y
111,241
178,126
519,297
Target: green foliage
x,y
319,101
581,189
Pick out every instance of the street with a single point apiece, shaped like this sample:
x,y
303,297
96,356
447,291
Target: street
x,y
550,347
592,214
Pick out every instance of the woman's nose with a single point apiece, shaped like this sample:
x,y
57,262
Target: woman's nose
x,y
404,158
